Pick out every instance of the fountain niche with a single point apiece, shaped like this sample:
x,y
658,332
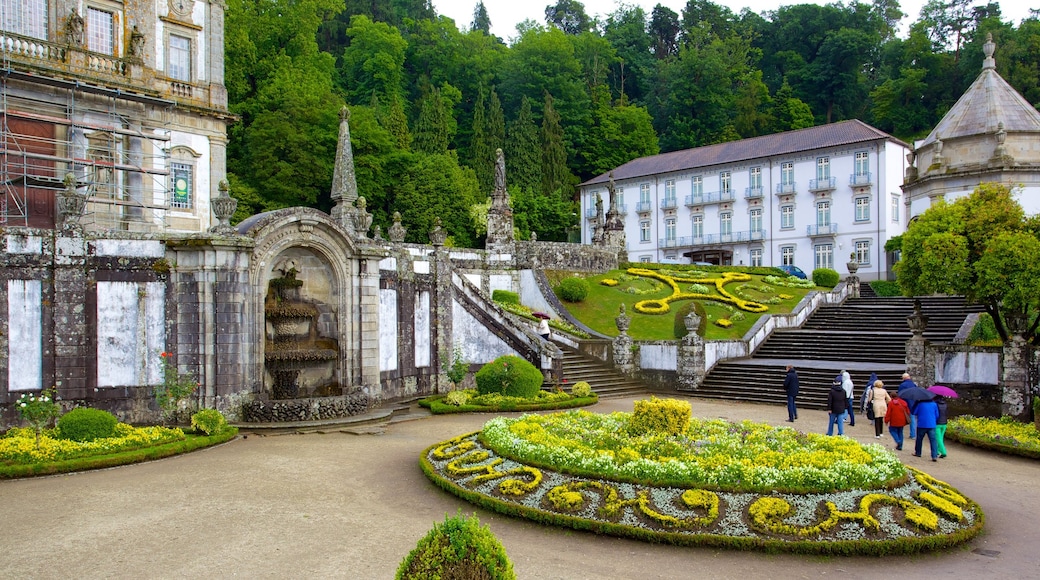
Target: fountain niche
x,y
300,361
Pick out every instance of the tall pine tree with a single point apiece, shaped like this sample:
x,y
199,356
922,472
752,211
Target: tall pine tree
x,y
431,128
555,175
481,20
523,153
496,123
483,161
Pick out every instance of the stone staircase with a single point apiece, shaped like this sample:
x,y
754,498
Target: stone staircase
x,y
604,379
862,335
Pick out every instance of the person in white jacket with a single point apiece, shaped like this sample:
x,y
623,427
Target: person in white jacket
x,y
846,384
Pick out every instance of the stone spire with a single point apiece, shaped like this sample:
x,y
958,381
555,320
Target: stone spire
x,y
500,214
989,62
344,182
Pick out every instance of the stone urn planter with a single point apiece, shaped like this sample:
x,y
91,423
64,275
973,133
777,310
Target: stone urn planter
x,y
852,264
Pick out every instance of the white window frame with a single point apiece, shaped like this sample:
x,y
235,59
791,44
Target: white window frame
x,y
755,178
823,213
895,208
697,225
824,256
862,249
787,173
787,255
645,259
101,31
669,190
787,217
644,193
756,219
756,257
669,229
179,59
725,181
862,163
726,223
644,231
862,211
823,168
25,17
697,185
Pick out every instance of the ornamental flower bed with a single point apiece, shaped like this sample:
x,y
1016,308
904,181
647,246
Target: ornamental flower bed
x,y
469,401
738,485
1005,435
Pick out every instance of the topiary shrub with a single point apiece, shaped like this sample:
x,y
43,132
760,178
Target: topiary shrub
x,y
511,376
209,421
573,289
670,416
581,389
680,316
86,424
460,548
505,297
825,277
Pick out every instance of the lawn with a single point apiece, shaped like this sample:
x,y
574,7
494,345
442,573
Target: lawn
x,y
600,308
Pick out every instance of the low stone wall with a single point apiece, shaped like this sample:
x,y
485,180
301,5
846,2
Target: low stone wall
x,y
565,256
316,409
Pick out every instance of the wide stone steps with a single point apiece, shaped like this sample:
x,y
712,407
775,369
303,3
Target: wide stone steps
x,y
604,379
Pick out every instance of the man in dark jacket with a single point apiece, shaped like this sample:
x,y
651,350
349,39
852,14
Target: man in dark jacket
x,y
837,404
791,386
908,383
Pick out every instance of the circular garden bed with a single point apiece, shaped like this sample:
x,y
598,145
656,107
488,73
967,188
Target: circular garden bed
x,y
711,483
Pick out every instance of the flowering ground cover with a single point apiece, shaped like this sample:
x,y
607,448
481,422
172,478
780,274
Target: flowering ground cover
x,y
469,401
1005,435
738,485
21,456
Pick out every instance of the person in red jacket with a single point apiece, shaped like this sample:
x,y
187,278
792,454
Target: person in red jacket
x,y
897,416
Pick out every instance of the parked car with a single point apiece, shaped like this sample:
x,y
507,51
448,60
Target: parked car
x,y
703,264
794,271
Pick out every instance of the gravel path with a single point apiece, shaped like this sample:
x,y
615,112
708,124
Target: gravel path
x,y
340,505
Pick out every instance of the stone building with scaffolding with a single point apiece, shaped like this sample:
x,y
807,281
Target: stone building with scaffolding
x,y
128,97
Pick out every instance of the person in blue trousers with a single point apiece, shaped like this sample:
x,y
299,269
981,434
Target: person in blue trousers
x,y
909,384
836,405
927,413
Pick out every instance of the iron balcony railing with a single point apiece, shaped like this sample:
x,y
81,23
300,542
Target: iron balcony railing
x,y
822,230
753,193
860,179
713,239
825,184
644,206
785,188
710,197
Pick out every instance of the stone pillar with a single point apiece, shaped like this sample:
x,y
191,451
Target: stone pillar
x,y
917,347
215,59
441,306
625,350
690,366
70,333
368,308
217,176
853,280
1014,378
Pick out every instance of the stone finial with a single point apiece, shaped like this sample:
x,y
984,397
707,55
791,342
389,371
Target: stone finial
x,y
1000,153
500,170
989,62
691,321
377,233
534,237
71,203
437,235
397,232
224,207
917,322
361,218
344,180
622,321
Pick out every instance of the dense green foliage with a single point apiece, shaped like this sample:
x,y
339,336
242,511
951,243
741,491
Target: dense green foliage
x,y
886,288
86,424
572,98
573,289
209,422
509,375
983,247
826,277
505,297
458,548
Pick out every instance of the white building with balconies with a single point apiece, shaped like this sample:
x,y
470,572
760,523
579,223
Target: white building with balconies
x,y
808,198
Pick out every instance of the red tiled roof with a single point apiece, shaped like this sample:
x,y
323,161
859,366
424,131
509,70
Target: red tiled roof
x,y
820,137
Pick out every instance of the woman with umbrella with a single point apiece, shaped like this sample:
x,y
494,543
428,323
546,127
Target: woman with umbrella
x,y
942,393
543,324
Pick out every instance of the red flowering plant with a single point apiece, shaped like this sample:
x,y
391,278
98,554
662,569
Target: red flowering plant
x,y
175,388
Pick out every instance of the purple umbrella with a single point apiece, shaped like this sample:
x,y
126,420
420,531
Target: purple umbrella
x,y
943,391
541,315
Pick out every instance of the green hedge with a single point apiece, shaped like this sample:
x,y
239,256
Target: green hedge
x,y
573,289
459,548
509,375
437,406
826,277
86,424
505,297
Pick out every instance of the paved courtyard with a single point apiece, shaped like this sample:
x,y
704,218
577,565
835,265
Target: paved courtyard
x,y
340,505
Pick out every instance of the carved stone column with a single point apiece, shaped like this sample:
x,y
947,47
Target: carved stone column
x,y
917,347
690,366
625,350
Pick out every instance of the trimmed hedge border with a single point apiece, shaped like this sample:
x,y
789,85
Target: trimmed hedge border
x,y
481,466
437,406
190,443
991,445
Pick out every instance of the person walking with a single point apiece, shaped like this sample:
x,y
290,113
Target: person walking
x,y
940,427
909,384
897,416
927,413
878,406
847,386
836,407
791,387
543,328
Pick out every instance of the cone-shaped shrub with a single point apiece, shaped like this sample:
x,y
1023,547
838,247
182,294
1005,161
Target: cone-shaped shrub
x,y
460,549
511,376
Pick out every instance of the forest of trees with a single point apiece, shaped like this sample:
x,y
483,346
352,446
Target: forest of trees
x,y
431,99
